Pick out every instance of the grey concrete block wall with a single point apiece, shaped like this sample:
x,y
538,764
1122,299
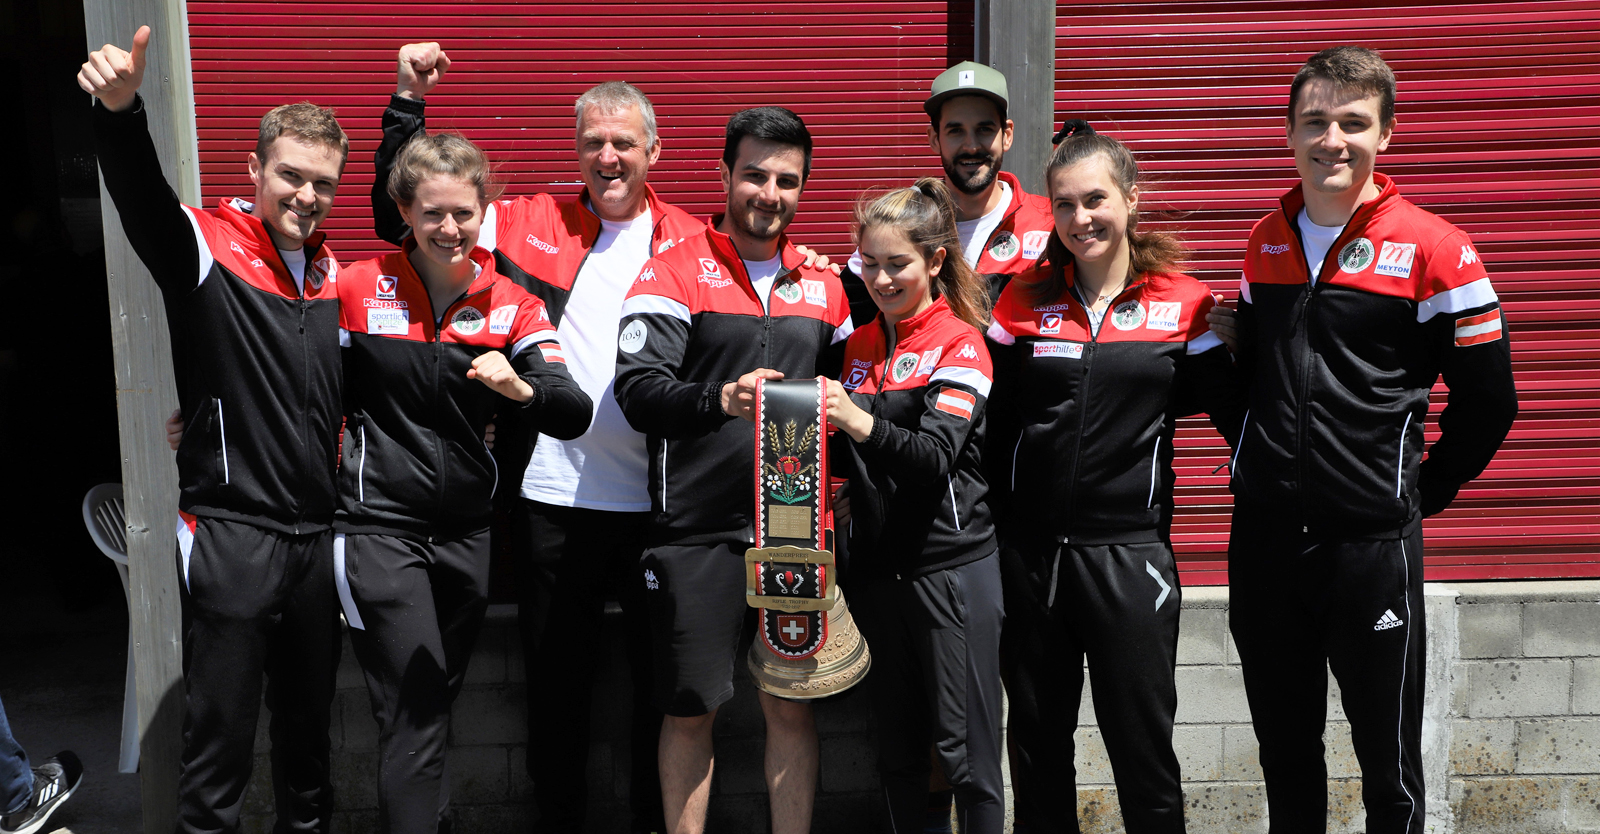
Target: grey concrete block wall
x,y
1511,736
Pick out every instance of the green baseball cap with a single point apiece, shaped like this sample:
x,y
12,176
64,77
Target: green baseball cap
x,y
967,78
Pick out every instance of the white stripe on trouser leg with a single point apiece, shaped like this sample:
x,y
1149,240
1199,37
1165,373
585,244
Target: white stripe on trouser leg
x,y
1405,652
347,602
1165,588
1055,569
185,547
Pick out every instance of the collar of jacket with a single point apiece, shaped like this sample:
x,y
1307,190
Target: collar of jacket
x,y
482,257
723,247
235,212
905,329
1018,196
589,222
1388,193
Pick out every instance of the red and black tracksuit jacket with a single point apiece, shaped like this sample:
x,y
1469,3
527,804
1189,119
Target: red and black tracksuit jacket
x,y
1083,423
916,493
256,360
1014,247
414,463
539,242
691,323
1339,371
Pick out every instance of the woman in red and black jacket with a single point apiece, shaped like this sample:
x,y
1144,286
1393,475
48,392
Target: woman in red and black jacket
x,y
435,343
1098,351
925,582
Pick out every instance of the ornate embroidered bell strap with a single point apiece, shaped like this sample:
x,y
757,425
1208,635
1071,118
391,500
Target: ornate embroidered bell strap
x,y
789,572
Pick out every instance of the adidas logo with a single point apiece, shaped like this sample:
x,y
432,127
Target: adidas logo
x,y
1388,620
650,581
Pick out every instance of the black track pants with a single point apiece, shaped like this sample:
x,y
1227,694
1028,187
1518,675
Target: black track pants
x,y
417,610
935,679
1300,604
1116,605
256,601
569,561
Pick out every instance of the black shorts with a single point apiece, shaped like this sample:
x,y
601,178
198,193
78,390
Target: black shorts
x,y
699,621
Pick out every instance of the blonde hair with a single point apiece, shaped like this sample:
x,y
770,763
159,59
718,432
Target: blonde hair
x,y
927,215
440,154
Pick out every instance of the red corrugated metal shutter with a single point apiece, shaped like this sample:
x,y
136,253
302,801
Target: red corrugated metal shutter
x,y
855,71
1499,125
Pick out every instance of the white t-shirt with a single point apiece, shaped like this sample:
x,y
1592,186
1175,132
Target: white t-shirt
x,y
295,260
975,234
763,274
607,467
1318,240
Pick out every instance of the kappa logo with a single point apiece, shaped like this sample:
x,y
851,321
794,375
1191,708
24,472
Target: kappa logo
x,y
860,363
649,274
1053,308
500,318
903,366
1468,256
544,313
255,262
1127,315
1356,255
542,246
1004,247
1388,621
930,358
1033,243
711,274
467,321
378,304
1164,315
650,581
854,380
1049,324
1274,248
386,285
967,351
1394,259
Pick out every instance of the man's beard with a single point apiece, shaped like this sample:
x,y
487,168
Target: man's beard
x,y
979,181
748,224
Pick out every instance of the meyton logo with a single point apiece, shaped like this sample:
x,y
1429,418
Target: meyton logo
x,y
1468,256
1033,243
930,359
816,292
1049,324
542,246
1395,259
386,285
1164,315
1274,248
500,318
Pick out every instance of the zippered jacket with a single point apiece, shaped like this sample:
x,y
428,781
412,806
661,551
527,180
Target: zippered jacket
x,y
414,459
1014,247
1082,448
691,323
539,242
256,360
1340,370
916,493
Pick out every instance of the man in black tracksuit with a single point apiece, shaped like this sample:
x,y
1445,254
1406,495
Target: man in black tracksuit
x,y
254,317
1354,302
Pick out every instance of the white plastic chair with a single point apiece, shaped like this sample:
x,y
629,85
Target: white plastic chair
x,y
102,514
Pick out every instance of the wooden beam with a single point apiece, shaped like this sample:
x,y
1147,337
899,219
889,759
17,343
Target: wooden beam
x,y
146,395
1018,38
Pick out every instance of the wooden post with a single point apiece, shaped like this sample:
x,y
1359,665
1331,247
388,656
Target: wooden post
x,y
1018,38
146,395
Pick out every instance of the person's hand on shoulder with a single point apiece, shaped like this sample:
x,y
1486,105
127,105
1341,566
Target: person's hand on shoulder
x,y
113,74
420,67
815,259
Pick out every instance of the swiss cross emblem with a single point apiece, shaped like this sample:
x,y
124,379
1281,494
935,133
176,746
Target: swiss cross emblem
x,y
793,629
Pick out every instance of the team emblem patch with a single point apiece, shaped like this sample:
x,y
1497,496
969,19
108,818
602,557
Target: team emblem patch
x,y
386,285
1004,247
467,321
1033,243
955,401
789,292
1049,324
632,338
1164,315
1475,330
1356,255
904,365
1127,315
1394,259
500,318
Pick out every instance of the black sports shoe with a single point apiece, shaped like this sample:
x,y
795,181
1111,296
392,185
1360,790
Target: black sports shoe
x,y
53,781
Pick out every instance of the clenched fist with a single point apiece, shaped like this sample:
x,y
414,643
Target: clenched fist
x,y
114,75
421,65
494,370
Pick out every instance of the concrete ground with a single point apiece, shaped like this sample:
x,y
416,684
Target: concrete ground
x,y
61,676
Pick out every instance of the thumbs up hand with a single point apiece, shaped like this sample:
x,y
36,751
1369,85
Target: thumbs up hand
x,y
421,65
113,75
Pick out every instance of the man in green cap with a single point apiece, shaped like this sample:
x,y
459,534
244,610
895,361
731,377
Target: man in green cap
x,y
1003,229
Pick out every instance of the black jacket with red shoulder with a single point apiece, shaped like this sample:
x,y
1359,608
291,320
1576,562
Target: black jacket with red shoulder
x,y
1083,425
414,462
691,323
1014,247
540,242
256,359
916,492
1340,370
